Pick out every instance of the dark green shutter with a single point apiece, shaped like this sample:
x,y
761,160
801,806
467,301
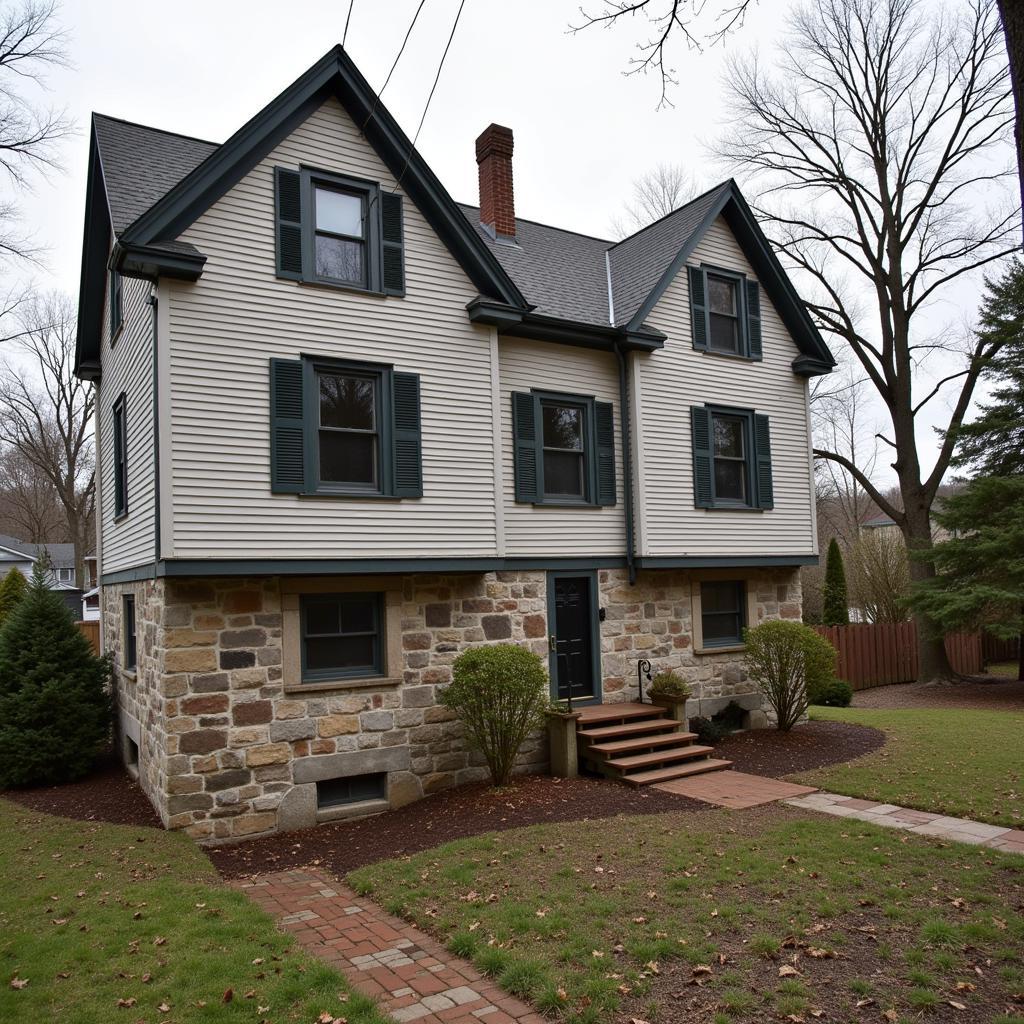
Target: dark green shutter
x,y
287,467
763,462
698,308
393,244
753,320
524,431
406,442
288,210
703,457
116,306
604,422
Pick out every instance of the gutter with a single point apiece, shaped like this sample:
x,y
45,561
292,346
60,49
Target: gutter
x,y
627,462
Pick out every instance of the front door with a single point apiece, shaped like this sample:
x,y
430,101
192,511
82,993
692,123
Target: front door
x,y
572,618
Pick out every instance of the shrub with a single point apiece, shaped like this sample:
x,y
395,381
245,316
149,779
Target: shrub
x,y
787,660
707,729
835,694
55,695
669,684
13,588
836,610
501,695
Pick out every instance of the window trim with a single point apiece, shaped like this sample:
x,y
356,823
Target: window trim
x,y
116,300
312,367
748,606
61,578
588,404
749,459
369,672
129,637
120,415
742,313
369,191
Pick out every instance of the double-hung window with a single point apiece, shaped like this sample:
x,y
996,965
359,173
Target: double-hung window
x,y
341,636
723,612
564,449
120,456
340,235
723,313
65,575
348,435
730,454
732,458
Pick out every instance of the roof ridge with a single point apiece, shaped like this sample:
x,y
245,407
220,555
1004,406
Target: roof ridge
x,y
672,213
553,227
151,128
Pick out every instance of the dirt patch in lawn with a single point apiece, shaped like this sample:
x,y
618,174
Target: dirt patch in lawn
x,y
985,693
811,745
454,814
108,794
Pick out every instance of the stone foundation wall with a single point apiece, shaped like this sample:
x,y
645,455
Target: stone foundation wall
x,y
231,746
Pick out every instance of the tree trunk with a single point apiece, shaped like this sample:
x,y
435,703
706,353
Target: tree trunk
x,y
932,660
1012,13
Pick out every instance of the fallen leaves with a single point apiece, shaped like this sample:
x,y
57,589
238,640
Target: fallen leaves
x,y
18,983
788,971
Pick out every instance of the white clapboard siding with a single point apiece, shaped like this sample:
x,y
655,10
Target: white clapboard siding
x,y
225,328
677,377
128,368
558,532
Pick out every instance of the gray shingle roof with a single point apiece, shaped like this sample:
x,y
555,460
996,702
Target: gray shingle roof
x,y
140,164
562,273
638,262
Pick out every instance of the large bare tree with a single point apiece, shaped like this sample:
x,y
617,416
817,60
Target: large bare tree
x,y
46,413
31,44
656,193
879,142
29,507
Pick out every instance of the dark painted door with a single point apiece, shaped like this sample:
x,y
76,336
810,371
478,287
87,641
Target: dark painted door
x,y
574,649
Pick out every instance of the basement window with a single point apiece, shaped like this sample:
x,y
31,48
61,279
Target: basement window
x,y
131,749
352,789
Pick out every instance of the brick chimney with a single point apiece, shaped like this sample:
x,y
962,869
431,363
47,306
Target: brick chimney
x,y
494,158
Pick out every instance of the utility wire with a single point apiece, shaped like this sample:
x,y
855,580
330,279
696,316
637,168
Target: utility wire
x,y
376,99
348,18
426,106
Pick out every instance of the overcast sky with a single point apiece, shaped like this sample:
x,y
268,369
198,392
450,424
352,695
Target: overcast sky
x,y
583,130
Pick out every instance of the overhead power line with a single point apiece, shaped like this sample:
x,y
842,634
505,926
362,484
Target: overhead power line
x,y
348,18
398,57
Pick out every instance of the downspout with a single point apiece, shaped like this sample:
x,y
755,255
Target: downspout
x,y
627,450
627,461
156,429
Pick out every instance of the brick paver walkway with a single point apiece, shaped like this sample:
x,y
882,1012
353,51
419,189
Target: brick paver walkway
x,y
960,830
409,974
733,789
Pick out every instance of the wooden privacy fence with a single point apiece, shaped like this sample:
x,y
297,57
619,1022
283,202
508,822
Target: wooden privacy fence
x,y
880,653
994,649
91,629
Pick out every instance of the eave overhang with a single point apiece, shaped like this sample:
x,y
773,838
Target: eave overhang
x,y
526,323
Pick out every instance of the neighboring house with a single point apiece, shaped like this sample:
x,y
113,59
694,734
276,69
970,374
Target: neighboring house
x,y
348,428
889,528
22,555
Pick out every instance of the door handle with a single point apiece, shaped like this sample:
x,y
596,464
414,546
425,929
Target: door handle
x,y
552,642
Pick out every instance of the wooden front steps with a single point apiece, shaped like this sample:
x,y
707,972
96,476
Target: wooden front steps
x,y
640,744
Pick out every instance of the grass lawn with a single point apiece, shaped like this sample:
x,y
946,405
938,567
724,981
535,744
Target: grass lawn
x,y
105,923
725,917
966,763
1009,669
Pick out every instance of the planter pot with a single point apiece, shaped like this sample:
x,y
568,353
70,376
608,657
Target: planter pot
x,y
676,706
562,741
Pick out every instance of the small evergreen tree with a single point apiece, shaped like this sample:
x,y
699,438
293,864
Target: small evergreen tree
x,y
837,604
13,588
979,581
55,694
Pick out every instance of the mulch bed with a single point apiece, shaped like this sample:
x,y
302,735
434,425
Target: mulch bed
x,y
106,795
454,814
982,693
811,745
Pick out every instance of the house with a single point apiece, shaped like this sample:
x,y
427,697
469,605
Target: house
x,y
348,428
21,555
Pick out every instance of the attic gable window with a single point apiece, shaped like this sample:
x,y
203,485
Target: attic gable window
x,y
339,231
723,313
340,236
